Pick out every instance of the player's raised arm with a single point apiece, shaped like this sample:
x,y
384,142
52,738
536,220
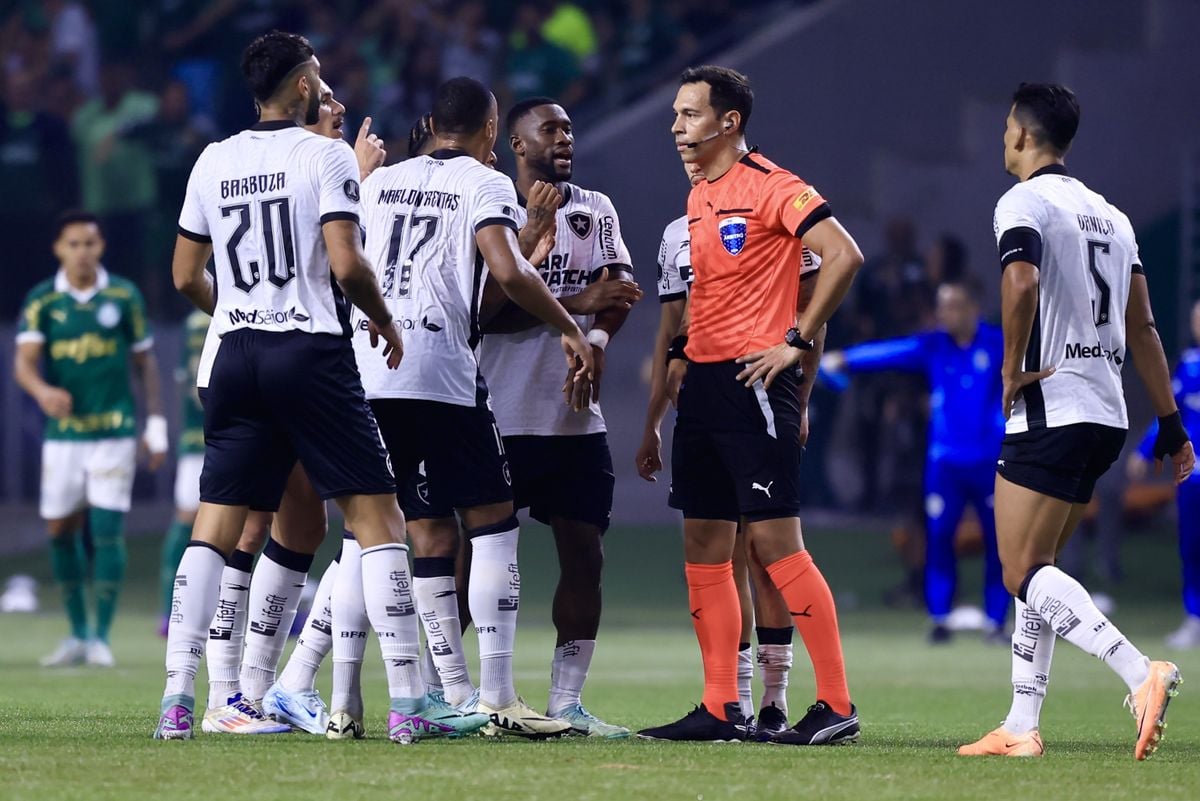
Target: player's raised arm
x,y
1151,363
522,284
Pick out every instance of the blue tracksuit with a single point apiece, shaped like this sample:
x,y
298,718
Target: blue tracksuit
x,y
1187,395
966,427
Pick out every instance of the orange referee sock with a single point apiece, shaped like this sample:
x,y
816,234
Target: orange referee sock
x,y
717,618
811,604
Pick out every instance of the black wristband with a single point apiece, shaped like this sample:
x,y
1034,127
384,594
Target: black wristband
x,y
1171,435
676,349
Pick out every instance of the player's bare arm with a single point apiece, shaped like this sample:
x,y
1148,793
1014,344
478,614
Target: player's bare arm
x,y
154,440
614,290
810,360
648,458
541,207
676,360
840,262
353,272
522,284
187,270
607,323
1018,305
54,401
1144,344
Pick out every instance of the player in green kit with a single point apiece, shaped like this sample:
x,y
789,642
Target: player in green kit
x,y
80,331
190,459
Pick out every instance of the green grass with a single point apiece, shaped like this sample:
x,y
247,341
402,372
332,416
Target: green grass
x,y
84,734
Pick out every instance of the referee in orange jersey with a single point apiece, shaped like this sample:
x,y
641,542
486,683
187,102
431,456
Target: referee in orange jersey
x,y
737,443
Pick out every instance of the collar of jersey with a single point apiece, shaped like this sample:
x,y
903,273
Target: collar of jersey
x,y
61,284
1051,169
447,153
274,125
743,160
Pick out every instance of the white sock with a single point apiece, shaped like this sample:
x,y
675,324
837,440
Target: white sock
x,y
197,585
350,631
429,672
227,631
437,603
774,663
494,595
315,640
568,672
1066,606
1032,648
275,590
388,592
745,680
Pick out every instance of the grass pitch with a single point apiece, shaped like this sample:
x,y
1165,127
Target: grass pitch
x,y
85,734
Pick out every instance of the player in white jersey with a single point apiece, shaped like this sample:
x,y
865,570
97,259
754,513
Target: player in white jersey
x,y
763,608
270,594
561,466
1075,306
280,204
432,223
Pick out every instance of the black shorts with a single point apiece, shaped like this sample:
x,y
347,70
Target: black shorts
x,y
568,477
736,451
1063,462
445,457
278,396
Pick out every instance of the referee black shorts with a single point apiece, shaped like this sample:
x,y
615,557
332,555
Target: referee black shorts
x,y
736,450
445,456
275,396
1063,462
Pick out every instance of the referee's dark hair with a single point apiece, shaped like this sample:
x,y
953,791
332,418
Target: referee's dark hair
x,y
728,90
1050,112
461,106
268,60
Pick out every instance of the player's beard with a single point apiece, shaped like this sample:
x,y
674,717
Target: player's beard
x,y
312,114
550,171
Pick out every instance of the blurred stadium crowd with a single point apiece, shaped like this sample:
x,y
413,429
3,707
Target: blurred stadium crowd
x,y
106,104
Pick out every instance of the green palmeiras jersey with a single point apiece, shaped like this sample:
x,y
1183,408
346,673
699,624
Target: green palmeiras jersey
x,y
191,437
87,338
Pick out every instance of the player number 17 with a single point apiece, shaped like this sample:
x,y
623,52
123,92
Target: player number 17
x,y
399,284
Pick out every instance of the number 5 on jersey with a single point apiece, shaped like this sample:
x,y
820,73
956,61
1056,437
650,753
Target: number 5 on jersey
x,y
1100,306
399,242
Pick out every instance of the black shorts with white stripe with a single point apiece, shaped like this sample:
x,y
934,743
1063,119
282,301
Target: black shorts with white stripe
x,y
736,450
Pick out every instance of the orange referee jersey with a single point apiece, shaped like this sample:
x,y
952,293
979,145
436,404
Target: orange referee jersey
x,y
745,232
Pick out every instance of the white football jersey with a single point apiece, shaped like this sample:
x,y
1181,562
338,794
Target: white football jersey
x,y
675,261
261,197
525,371
1088,255
421,217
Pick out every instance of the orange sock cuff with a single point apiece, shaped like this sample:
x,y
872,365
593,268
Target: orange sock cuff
x,y
702,576
790,567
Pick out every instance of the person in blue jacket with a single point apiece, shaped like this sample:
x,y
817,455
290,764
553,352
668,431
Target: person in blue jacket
x,y
1186,383
961,360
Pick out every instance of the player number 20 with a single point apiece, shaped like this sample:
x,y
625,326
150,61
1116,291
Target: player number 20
x,y
397,283
277,242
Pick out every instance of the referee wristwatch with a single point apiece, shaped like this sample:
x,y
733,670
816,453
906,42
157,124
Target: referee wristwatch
x,y
793,339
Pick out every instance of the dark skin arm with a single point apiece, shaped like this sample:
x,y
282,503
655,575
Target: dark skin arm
x,y
1146,348
1018,306
145,367
614,289
810,361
